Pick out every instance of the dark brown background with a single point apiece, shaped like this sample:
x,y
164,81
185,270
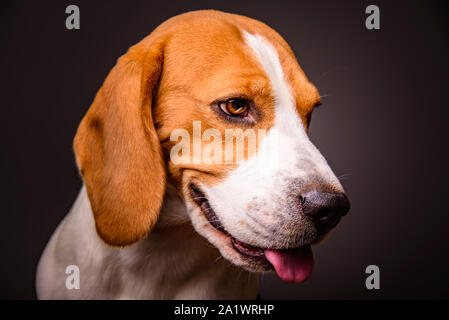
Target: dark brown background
x,y
385,124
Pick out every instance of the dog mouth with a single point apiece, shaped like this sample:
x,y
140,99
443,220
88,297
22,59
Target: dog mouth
x,y
292,265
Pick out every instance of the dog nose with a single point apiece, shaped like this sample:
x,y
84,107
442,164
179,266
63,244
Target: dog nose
x,y
324,208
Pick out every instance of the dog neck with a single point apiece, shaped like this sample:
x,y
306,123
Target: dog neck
x,y
173,262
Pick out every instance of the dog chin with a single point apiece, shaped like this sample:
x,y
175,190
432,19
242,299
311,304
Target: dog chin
x,y
224,243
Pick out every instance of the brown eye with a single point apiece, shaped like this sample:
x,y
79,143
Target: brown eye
x,y
234,107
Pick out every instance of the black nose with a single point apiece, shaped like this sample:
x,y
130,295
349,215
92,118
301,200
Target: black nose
x,y
324,208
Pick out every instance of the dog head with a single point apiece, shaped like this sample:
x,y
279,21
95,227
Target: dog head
x,y
178,106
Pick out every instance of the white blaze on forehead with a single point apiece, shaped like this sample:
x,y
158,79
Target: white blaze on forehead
x,y
287,139
285,104
286,161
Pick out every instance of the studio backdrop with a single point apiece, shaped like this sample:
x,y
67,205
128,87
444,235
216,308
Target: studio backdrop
x,y
382,126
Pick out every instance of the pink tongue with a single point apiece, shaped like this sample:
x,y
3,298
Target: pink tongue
x,y
294,265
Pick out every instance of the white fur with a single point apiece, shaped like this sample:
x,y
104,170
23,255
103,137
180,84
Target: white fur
x,y
256,202
172,263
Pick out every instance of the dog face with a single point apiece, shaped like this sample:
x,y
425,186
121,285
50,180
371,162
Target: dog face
x,y
208,74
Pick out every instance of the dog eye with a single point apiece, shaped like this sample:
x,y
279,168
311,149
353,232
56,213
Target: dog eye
x,y
234,107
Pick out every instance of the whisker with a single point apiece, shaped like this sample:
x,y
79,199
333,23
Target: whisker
x,y
329,72
216,220
218,258
326,95
344,176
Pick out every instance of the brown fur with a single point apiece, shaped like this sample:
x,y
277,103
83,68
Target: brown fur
x,y
118,151
184,65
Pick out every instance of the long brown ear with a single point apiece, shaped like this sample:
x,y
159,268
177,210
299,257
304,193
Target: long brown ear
x,y
118,151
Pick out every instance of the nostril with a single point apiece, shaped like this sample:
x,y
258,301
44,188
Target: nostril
x,y
325,208
302,199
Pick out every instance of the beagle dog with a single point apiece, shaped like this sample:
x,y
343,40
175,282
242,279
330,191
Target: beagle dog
x,y
145,226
